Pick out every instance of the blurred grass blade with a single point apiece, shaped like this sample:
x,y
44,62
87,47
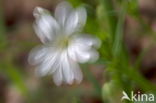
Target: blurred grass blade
x,y
2,28
117,45
140,80
111,18
16,78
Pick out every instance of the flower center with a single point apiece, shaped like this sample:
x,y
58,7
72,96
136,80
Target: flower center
x,y
63,42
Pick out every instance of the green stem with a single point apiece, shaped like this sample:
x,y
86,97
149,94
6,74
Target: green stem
x,y
93,80
140,80
118,40
112,19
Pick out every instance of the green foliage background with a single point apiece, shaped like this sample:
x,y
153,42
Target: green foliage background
x,y
106,20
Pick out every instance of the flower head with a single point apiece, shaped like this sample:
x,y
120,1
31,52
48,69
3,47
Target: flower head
x,y
63,44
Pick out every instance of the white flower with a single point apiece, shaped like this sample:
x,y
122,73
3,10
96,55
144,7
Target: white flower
x,y
63,45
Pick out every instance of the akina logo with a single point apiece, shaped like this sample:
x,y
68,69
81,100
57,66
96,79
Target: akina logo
x,y
138,97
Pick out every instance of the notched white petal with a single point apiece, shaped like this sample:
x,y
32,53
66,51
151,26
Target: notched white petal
x,y
76,21
37,55
82,49
84,55
46,27
87,41
62,12
49,65
58,76
77,72
66,68
38,11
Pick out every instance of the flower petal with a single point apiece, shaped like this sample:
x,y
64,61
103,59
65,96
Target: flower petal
x,y
46,27
58,76
84,55
37,55
76,21
77,72
82,49
62,12
67,71
50,63
87,41
67,68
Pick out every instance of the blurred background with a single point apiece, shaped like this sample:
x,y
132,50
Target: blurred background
x,y
127,29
